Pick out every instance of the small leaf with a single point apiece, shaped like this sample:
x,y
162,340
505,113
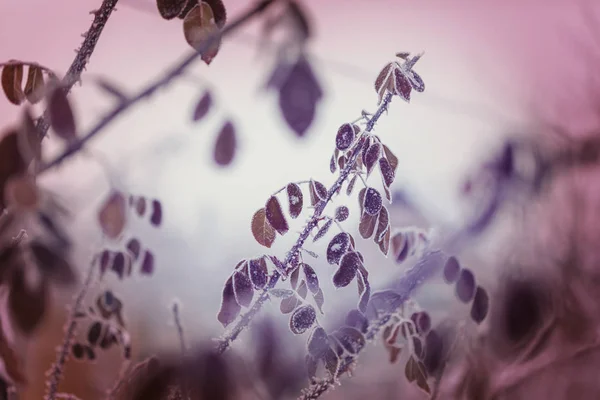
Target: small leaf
x,y
77,350
332,164
262,230
480,306
384,244
288,304
323,231
170,9
416,81
34,87
12,80
384,81
226,145
148,263
302,319
364,297
61,115
400,247
242,288
112,215
319,300
465,286
387,173
351,339
347,270
451,270
312,280
391,158
337,247
294,276
199,25
317,342
134,247
415,371
342,213
422,322
402,86
345,137
302,290
367,225
258,272
295,199
94,332
298,97
318,190
383,225
275,216
203,106
229,307
351,184
140,206
373,202
219,11
433,352
281,293
372,155
357,319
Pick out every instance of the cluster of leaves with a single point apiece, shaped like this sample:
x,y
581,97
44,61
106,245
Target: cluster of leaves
x,y
106,328
466,289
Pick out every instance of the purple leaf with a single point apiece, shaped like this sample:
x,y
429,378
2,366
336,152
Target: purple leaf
x,y
62,119
387,173
242,288
342,213
134,247
229,307
480,306
203,106
345,137
258,272
226,145
373,201
156,217
302,319
275,216
402,85
323,231
351,339
451,270
312,280
347,270
465,285
357,319
337,247
295,199
371,156
148,263
318,343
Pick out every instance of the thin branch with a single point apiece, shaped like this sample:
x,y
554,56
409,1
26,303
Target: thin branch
x,y
312,223
179,326
163,80
82,58
57,368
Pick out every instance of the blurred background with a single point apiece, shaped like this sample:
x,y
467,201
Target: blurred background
x,y
491,69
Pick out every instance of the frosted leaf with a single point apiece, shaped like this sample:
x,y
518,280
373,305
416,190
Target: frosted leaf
x,y
347,270
311,367
342,213
278,263
262,230
302,319
451,270
319,299
384,244
203,106
386,301
345,136
365,144
372,202
288,304
351,184
332,363
384,81
312,280
480,306
465,286
357,320
170,9
416,82
317,342
387,173
258,272
242,288
295,199
323,231
351,339
403,55
390,157
112,215
318,192
367,225
361,200
229,307
383,225
372,156
332,164
338,245
365,296
275,216
402,86
294,276
281,293
400,247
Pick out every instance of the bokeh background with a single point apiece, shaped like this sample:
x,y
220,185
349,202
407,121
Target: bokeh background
x,y
491,69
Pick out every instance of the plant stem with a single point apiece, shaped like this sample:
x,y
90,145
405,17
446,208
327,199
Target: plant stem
x,y
82,58
57,368
163,80
179,326
245,319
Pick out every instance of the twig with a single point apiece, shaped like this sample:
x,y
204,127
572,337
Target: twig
x,y
312,223
82,58
163,80
57,368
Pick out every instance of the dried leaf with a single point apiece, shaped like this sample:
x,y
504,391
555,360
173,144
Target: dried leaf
x,y
198,26
27,305
30,146
337,247
219,11
295,199
34,86
465,285
62,119
112,216
275,217
229,307
323,231
242,288
203,106
12,80
302,319
298,96
226,145
262,230
170,9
